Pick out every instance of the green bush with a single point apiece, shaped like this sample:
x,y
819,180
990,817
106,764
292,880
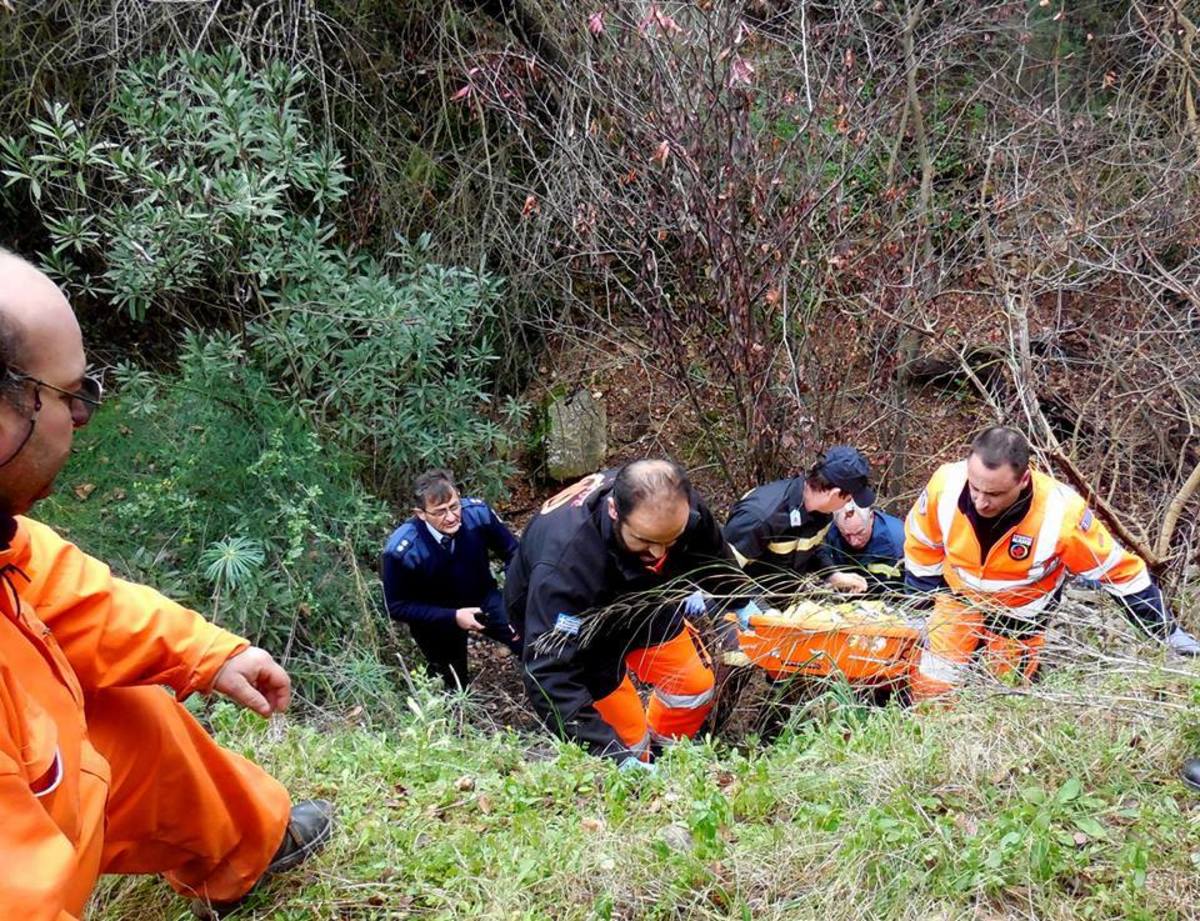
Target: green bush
x,y
209,487
199,194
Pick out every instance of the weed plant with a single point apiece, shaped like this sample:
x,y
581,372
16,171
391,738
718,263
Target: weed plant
x,y
208,486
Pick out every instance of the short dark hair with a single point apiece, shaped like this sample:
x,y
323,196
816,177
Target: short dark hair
x,y
1000,445
434,485
649,480
815,477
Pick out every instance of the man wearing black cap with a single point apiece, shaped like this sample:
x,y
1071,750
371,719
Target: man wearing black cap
x,y
781,526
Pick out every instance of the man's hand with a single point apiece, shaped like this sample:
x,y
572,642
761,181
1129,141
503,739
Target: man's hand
x,y
696,604
256,681
465,618
850,582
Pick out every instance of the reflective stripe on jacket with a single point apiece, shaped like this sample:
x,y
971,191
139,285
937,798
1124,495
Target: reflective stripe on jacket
x,y
1024,569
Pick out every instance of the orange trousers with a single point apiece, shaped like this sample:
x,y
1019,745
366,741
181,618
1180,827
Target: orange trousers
x,y
956,632
179,804
681,700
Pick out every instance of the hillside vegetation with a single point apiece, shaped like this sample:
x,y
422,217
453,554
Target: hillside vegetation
x,y
1007,806
318,245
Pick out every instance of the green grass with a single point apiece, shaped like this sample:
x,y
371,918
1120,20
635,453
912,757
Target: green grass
x,y
1004,806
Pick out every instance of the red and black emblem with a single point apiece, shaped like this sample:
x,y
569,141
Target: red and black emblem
x,y
1019,546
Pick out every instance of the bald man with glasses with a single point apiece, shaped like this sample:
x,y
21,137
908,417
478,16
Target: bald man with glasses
x,y
101,770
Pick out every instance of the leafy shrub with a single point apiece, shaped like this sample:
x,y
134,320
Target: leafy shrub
x,y
208,486
204,198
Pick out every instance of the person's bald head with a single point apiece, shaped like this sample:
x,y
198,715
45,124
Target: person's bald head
x,y
652,482
34,315
651,504
41,349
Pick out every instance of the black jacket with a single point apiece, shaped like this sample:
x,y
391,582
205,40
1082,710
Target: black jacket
x,y
575,595
771,531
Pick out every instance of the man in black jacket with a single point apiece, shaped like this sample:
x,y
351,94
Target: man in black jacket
x,y
780,527
577,589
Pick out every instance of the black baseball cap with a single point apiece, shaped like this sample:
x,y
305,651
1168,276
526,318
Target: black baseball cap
x,y
847,469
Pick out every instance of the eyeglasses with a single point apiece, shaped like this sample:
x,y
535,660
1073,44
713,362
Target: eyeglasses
x,y
83,404
84,401
446,511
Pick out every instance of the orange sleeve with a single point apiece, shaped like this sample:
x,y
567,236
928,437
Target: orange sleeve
x,y
924,551
116,633
38,859
1090,551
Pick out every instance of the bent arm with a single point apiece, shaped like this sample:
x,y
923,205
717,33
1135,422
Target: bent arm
x,y
555,666
398,588
117,633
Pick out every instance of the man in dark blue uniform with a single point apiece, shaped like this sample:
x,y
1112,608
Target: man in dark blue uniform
x,y
577,589
436,576
870,542
780,527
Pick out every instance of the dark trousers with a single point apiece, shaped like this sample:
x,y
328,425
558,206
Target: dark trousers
x,y
444,645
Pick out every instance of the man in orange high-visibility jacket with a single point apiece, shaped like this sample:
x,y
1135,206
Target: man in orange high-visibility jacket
x,y
101,771
1003,538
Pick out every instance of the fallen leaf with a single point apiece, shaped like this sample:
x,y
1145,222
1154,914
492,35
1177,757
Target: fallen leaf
x,y
595,23
83,490
741,72
485,803
464,783
592,824
661,153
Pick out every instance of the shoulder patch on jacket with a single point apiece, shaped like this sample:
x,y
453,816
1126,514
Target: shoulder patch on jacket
x,y
1085,523
567,624
403,539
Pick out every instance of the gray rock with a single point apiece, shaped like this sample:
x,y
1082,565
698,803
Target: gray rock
x,y
676,837
576,436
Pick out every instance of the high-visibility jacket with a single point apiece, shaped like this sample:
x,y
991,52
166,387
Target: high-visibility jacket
x,y
68,629
1024,569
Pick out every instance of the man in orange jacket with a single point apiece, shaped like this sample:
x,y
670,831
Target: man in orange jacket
x,y
1003,538
100,770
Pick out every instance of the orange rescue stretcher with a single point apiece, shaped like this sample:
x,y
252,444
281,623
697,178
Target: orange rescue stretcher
x,y
865,641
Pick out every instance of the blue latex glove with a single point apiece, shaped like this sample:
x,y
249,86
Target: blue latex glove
x,y
695,604
743,614
632,765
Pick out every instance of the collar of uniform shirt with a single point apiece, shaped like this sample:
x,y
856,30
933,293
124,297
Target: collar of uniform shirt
x,y
438,536
989,530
